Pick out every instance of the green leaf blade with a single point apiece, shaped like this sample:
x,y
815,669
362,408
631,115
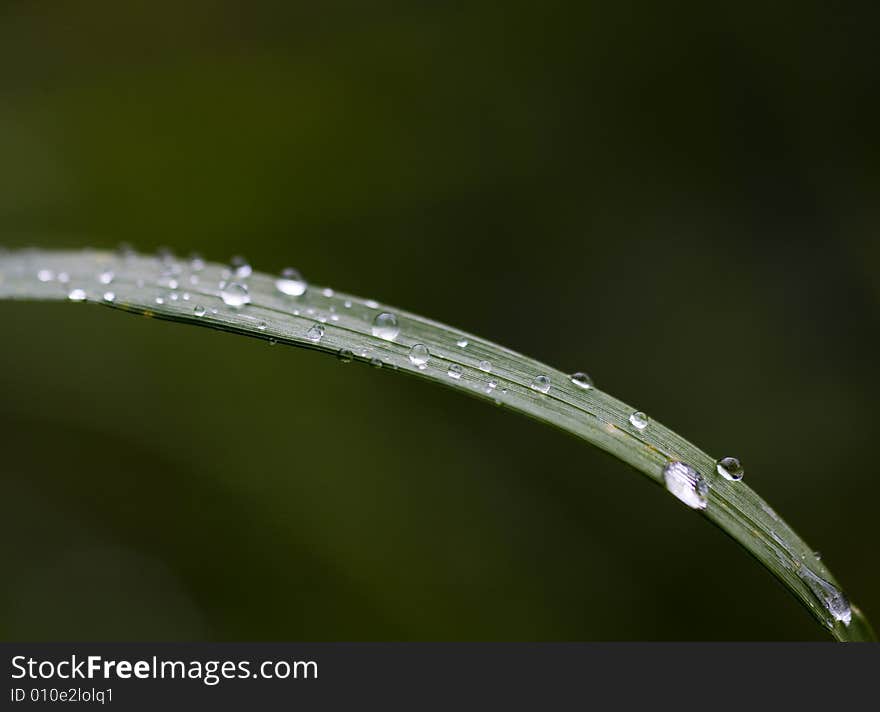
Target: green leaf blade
x,y
177,290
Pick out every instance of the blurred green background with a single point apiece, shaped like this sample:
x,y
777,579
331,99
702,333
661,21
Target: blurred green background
x,y
680,199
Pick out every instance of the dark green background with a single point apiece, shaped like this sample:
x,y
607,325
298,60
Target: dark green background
x,y
681,200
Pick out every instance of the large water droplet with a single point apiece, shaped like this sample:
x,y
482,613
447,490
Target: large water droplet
x,y
77,295
638,420
541,384
582,380
686,484
291,283
315,333
730,468
199,310
235,294
419,355
454,371
462,343
385,326
485,366
109,297
831,597
241,268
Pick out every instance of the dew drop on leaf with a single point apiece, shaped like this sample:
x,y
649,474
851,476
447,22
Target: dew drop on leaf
x,y
541,384
419,355
638,420
385,326
315,333
241,268
291,283
235,294
686,484
582,380
730,468
832,598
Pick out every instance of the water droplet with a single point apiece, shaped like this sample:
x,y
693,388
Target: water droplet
x,y
638,420
371,303
45,275
419,355
686,484
185,296
345,355
235,294
109,297
454,371
730,468
462,343
831,597
241,268
347,304
541,384
327,292
291,283
272,341
199,310
194,279
485,366
491,386
376,362
125,250
63,277
159,300
582,380
105,277
196,263
77,295
385,326
315,332
262,326
174,296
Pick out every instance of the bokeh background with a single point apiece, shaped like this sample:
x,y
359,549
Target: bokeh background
x,y
680,199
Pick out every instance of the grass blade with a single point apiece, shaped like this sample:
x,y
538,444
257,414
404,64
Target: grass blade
x,y
351,328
